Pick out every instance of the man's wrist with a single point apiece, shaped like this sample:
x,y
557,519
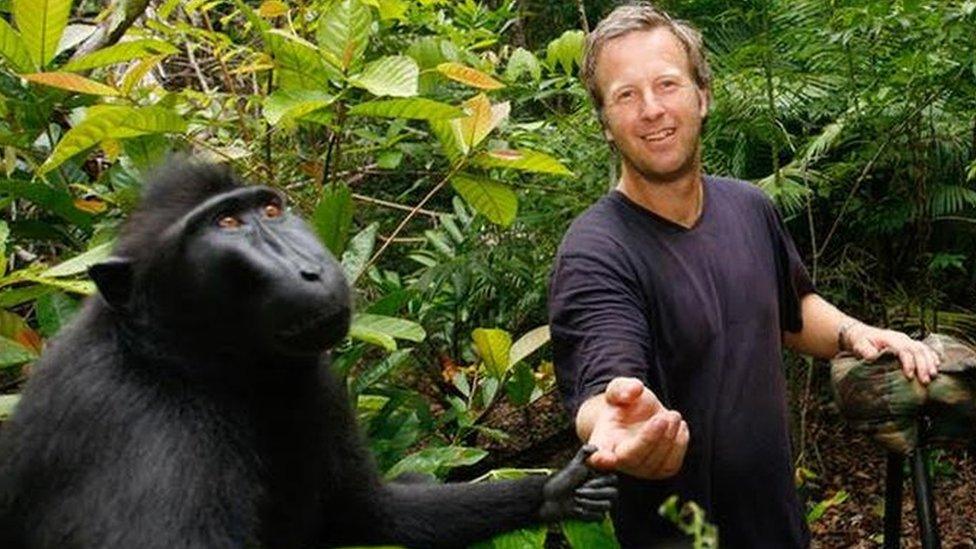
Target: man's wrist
x,y
844,340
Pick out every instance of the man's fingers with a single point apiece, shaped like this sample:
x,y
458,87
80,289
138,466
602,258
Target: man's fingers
x,y
907,363
648,448
866,350
672,463
622,391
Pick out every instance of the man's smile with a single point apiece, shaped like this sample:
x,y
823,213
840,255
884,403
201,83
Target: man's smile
x,y
659,135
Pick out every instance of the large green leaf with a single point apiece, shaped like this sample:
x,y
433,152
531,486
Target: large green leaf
x,y
298,63
529,343
18,296
378,371
483,117
590,535
566,50
290,105
41,23
522,62
397,328
13,353
49,197
71,82
54,311
126,51
332,218
343,33
394,75
115,122
523,160
435,461
415,108
527,538
357,254
13,49
493,347
493,199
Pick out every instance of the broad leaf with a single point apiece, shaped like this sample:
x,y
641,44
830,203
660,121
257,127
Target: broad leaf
x,y
80,263
53,312
357,254
397,328
16,329
41,23
523,160
125,51
71,82
483,118
493,347
112,121
469,76
13,49
493,199
415,108
13,353
436,461
378,371
590,535
526,538
290,105
332,218
51,198
522,62
566,50
394,75
299,63
19,296
529,343
376,338
343,33
392,9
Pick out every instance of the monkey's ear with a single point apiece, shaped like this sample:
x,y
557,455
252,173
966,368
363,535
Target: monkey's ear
x,y
114,280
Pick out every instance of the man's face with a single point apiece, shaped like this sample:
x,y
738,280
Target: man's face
x,y
652,108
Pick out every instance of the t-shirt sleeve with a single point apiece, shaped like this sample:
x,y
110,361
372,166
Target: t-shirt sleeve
x,y
597,323
793,280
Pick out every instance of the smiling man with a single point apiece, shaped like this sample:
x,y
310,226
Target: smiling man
x,y
670,301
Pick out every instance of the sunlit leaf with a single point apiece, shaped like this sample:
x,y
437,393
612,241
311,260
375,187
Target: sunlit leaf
x,y
343,32
71,82
566,51
299,63
80,263
358,252
526,538
493,347
112,121
138,71
495,200
394,75
272,8
433,461
290,105
7,402
529,343
469,76
590,535
41,23
125,51
416,108
397,328
523,160
483,118
392,9
13,49
332,218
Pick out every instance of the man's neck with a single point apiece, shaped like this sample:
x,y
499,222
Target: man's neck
x,y
678,200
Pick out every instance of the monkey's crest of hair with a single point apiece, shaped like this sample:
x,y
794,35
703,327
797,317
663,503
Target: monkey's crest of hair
x,y
171,191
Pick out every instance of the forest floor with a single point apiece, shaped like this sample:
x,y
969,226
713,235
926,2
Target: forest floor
x,y
842,460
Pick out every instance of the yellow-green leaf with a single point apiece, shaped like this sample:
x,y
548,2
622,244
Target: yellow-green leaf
x,y
394,75
493,199
416,108
469,76
126,51
523,160
138,71
13,49
493,346
272,8
529,343
566,51
71,82
112,121
290,105
41,23
299,63
483,118
399,328
80,263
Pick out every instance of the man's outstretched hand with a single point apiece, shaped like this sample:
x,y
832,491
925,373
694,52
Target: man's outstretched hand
x,y
633,432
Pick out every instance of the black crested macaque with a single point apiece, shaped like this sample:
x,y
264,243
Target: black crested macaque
x,y
190,403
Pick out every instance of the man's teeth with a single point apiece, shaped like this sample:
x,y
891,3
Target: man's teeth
x,y
663,134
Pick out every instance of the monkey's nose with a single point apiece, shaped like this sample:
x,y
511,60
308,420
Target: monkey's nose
x,y
310,275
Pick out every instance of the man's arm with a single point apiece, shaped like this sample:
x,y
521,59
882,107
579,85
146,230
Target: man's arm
x,y
634,433
827,331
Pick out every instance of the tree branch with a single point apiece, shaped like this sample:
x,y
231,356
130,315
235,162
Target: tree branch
x,y
113,27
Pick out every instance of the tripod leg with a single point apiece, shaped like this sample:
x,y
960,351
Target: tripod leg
x,y
924,505
893,497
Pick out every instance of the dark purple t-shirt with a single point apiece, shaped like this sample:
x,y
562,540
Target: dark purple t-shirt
x,y
698,315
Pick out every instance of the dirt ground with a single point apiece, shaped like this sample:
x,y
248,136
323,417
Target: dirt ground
x,y
841,459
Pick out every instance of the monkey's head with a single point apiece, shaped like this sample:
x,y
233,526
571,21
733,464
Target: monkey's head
x,y
226,266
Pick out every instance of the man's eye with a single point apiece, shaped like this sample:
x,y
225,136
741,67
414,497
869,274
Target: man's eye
x,y
228,222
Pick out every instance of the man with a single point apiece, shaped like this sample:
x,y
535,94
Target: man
x,y
670,300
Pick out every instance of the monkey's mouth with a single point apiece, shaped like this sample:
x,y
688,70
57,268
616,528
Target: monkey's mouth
x,y
314,332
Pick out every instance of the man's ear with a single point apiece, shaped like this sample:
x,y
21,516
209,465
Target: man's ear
x,y
113,277
704,101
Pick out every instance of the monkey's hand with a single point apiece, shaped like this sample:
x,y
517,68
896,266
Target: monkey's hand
x,y
577,492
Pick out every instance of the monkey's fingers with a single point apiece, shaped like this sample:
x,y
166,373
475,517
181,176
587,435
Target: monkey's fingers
x,y
609,493
587,516
593,505
601,481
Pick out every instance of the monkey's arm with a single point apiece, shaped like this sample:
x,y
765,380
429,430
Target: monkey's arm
x,y
457,515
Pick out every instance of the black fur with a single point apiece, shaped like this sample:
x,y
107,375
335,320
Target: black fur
x,y
163,417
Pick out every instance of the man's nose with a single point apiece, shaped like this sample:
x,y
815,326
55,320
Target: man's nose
x,y
651,106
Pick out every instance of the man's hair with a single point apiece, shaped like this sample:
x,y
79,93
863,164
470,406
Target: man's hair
x,y
641,17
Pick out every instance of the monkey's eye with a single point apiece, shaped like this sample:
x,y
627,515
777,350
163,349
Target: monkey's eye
x,y
228,222
272,210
